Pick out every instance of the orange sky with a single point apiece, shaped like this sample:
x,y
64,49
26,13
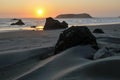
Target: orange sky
x,y
28,8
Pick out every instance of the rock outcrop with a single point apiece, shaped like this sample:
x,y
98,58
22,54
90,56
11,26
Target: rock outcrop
x,y
106,52
73,36
19,22
54,24
15,19
84,15
98,31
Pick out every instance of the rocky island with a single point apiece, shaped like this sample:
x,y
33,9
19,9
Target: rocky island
x,y
83,15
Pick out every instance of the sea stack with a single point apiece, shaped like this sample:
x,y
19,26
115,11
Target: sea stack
x,y
54,24
19,22
98,31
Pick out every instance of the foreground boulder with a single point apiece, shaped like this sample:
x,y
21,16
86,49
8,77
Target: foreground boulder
x,y
54,24
98,31
73,36
19,22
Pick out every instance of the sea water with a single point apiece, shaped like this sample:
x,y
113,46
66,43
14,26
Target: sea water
x,y
6,27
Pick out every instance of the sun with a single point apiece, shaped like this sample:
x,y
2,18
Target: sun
x,y
40,12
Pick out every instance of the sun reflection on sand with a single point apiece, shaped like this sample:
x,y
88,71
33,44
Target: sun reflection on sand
x,y
39,28
35,28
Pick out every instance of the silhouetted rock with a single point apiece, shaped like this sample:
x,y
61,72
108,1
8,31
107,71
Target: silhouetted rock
x,y
73,36
19,22
64,24
54,24
84,15
15,19
98,31
33,26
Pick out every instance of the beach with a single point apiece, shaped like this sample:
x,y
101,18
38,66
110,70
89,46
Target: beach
x,y
28,55
26,39
60,40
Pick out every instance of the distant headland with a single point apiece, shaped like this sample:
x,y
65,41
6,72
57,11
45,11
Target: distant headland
x,y
83,15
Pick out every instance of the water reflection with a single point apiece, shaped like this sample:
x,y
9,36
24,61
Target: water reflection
x,y
35,28
39,28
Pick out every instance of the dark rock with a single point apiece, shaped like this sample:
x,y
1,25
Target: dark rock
x,y
73,36
15,19
33,26
54,24
98,31
64,24
19,22
84,15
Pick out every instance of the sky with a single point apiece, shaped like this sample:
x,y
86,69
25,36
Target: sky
x,y
29,8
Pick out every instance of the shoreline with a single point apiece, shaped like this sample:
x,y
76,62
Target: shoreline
x,y
28,28
33,29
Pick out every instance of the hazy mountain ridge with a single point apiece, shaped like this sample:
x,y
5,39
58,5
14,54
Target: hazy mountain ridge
x,y
83,15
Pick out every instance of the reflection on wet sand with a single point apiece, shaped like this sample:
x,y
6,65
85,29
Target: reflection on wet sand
x,y
35,28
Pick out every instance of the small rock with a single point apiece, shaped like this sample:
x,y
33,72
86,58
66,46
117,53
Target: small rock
x,y
33,26
98,31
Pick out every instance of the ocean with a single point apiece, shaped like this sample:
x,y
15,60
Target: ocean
x,y
6,27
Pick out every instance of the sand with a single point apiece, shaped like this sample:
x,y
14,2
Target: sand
x,y
27,39
28,55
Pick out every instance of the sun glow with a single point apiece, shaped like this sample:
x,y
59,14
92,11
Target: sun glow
x,y
40,12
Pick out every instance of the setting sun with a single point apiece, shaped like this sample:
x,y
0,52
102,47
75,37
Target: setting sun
x,y
40,12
